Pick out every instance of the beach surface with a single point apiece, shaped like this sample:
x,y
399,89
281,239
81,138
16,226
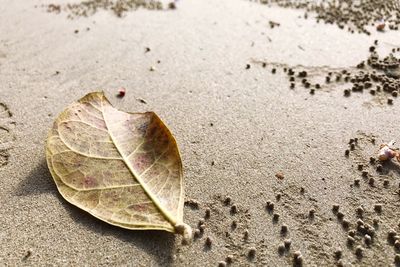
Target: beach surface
x,y
241,130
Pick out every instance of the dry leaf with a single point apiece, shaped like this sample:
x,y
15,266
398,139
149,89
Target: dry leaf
x,y
123,168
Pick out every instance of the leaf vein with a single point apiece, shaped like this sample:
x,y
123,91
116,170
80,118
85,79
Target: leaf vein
x,y
91,125
84,154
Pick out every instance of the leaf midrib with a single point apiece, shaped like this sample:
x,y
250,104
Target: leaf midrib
x,y
153,198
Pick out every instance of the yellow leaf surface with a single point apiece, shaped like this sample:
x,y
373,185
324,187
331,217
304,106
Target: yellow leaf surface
x,y
123,168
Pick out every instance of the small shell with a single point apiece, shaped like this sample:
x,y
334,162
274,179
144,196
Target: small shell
x,y
121,92
381,25
386,153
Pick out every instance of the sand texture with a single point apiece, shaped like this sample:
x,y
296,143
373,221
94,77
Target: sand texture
x,y
216,72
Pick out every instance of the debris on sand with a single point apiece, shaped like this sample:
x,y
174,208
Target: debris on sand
x,y
227,200
273,24
208,242
27,255
121,92
207,213
381,26
118,7
52,8
297,259
280,175
377,75
172,5
270,206
142,101
252,252
353,15
281,249
397,259
193,204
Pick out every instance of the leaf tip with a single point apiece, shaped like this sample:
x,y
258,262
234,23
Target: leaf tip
x,y
186,232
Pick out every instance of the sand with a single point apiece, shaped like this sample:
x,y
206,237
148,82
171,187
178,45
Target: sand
x,y
236,129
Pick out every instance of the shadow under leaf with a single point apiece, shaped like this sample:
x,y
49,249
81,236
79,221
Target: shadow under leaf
x,y
38,181
159,244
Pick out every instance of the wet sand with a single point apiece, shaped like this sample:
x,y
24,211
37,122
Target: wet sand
x,y
237,126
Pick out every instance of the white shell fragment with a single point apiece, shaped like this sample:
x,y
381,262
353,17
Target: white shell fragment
x,y
387,151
